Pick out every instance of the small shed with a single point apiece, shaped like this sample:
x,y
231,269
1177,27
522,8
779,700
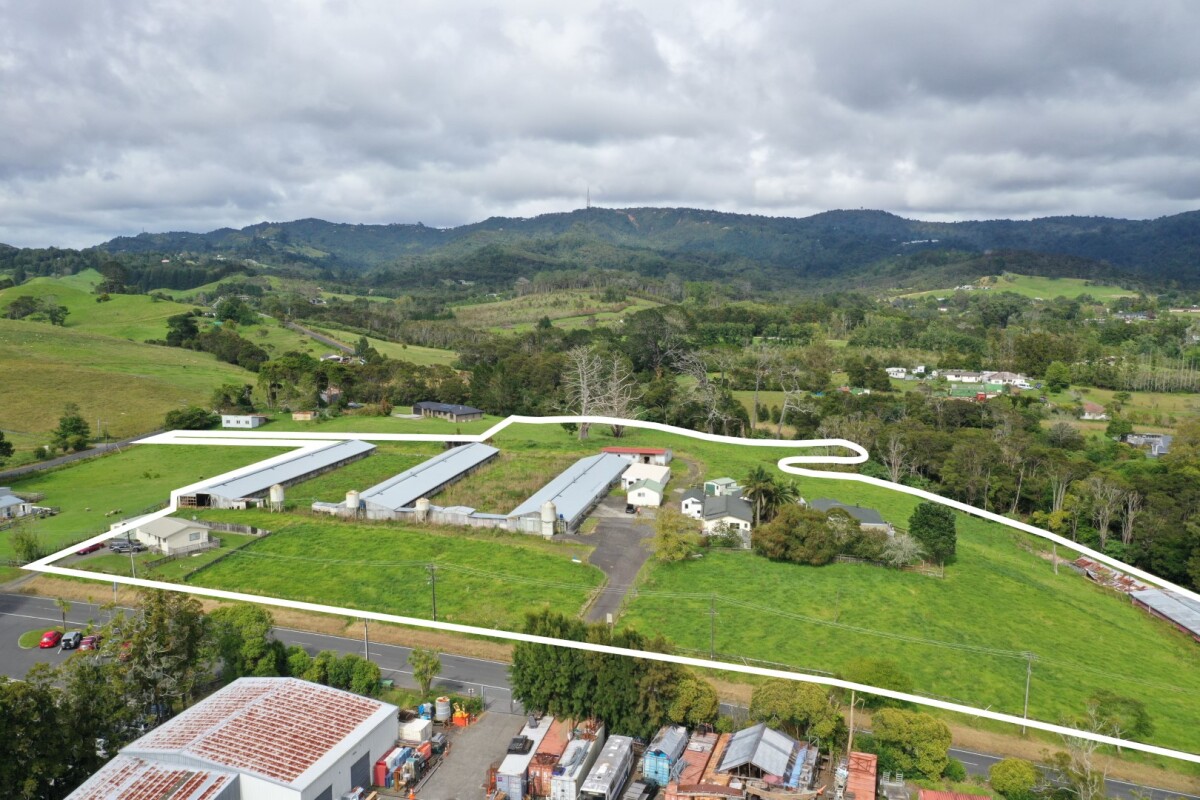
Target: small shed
x,y
304,416
863,774
244,420
12,506
757,752
646,494
171,536
722,487
663,753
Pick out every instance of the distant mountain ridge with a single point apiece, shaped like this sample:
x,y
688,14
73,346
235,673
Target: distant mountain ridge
x,y
833,246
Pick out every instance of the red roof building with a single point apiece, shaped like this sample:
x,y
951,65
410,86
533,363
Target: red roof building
x,y
281,737
642,455
861,783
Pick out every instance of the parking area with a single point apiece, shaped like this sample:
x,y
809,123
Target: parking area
x,y
622,547
472,750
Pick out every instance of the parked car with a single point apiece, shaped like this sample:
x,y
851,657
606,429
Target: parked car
x,y
125,546
630,509
50,639
90,643
91,548
70,640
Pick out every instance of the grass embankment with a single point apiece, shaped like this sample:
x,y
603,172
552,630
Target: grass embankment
x,y
412,353
138,477
566,309
128,386
177,569
484,577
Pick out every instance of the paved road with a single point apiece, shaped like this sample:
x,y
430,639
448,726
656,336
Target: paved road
x,y
621,551
320,337
91,452
19,613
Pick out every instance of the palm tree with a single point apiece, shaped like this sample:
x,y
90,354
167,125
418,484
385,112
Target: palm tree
x,y
759,488
65,608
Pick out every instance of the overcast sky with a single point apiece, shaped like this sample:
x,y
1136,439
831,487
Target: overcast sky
x,y
119,117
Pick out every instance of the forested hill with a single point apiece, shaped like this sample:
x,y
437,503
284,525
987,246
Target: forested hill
x,y
831,247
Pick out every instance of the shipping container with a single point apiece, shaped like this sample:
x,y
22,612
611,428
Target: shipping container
x,y
545,758
611,771
576,762
513,772
663,753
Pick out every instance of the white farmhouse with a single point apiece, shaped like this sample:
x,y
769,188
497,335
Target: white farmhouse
x,y
171,536
646,493
645,472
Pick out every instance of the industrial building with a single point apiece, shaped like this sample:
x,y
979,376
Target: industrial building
x,y
251,489
256,739
758,752
645,472
1180,611
574,493
400,492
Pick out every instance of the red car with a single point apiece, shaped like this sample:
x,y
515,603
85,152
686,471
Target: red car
x,y
90,643
50,639
91,548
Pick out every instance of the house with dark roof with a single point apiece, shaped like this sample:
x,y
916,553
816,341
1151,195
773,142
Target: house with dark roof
x,y
718,512
1155,444
453,412
868,518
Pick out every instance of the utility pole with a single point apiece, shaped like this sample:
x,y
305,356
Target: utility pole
x,y
1028,677
132,563
850,739
366,643
433,587
1055,545
712,627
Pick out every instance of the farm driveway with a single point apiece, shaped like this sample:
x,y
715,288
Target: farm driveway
x,y
622,547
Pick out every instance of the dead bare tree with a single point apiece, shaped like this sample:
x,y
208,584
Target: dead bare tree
x,y
1060,474
895,456
620,392
583,381
705,390
762,362
1106,499
1133,507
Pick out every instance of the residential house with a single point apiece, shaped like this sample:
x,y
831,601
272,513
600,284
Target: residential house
x,y
171,536
12,506
868,518
722,487
255,739
453,412
331,395
1007,379
1155,444
644,472
1094,411
244,420
962,376
646,493
899,373
659,456
719,512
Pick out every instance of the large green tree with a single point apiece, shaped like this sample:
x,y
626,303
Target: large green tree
x,y
800,535
242,636
426,665
801,709
72,432
916,741
933,525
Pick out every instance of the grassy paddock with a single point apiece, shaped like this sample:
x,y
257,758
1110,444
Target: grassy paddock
x,y
1035,286
132,480
505,482
484,577
373,423
569,309
385,461
128,386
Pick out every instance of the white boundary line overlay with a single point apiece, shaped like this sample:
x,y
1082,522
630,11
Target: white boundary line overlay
x,y
305,442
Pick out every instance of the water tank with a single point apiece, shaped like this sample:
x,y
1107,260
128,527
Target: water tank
x,y
276,496
441,709
422,509
352,500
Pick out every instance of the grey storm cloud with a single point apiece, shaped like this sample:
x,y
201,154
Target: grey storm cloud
x,y
170,115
